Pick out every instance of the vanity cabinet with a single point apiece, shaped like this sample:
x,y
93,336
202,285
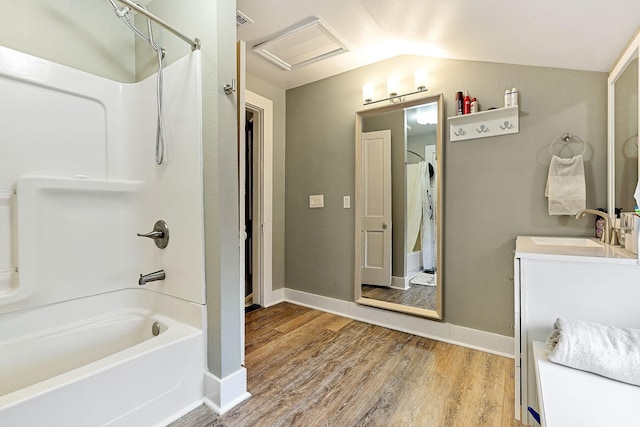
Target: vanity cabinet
x,y
595,283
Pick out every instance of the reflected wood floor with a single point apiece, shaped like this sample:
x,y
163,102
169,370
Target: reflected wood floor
x,y
416,296
310,368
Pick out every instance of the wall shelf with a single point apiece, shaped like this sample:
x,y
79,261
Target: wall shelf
x,y
501,121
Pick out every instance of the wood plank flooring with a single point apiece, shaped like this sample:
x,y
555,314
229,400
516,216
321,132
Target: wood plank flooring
x,y
416,296
309,368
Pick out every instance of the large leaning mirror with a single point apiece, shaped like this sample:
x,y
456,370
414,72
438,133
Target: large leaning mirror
x,y
398,207
623,130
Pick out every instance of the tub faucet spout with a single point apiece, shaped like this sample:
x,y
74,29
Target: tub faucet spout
x,y
151,277
606,236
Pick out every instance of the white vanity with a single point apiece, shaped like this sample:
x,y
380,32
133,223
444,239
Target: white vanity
x,y
576,278
582,279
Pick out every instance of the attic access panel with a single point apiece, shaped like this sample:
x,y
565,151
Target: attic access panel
x,y
303,45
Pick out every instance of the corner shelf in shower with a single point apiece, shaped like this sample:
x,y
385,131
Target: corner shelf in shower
x,y
501,121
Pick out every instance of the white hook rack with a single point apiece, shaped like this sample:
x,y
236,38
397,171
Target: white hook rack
x,y
500,121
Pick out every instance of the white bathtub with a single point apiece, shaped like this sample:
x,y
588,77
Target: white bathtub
x,y
94,361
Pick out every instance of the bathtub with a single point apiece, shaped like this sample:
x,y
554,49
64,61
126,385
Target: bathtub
x,y
95,361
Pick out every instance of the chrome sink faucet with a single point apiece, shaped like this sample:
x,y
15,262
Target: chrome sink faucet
x,y
151,277
606,236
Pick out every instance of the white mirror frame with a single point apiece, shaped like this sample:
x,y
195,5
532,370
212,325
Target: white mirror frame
x,y
632,49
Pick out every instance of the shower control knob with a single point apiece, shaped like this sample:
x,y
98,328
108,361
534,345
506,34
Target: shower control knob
x,y
160,234
152,235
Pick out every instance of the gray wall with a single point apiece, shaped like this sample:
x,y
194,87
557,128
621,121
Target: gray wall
x,y
83,34
493,187
416,143
277,95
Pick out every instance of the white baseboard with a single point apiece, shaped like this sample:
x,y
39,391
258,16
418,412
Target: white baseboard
x,y
414,263
401,283
223,394
274,297
500,345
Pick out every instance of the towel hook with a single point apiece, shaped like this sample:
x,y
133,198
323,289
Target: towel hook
x,y
566,138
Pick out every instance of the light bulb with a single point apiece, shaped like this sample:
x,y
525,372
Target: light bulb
x,y
421,77
393,86
367,93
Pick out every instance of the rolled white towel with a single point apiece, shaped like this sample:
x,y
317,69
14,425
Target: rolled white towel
x,y
609,351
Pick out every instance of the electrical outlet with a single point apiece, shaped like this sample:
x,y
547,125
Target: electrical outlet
x,y
346,202
316,201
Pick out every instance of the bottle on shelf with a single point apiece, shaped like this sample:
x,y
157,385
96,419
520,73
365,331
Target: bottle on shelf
x,y
514,97
467,104
475,106
507,98
459,102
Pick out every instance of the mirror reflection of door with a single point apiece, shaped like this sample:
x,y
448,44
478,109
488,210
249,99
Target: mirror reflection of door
x,y
415,134
376,208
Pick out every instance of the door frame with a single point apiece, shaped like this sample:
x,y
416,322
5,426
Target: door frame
x,y
262,109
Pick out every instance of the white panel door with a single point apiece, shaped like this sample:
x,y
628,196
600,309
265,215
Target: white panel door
x,y
376,208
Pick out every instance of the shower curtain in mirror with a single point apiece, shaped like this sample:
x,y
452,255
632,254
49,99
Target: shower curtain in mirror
x,y
428,219
415,181
421,213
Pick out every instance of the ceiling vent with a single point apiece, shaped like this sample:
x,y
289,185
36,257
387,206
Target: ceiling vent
x,y
242,19
303,45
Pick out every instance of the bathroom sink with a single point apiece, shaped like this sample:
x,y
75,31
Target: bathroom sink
x,y
567,241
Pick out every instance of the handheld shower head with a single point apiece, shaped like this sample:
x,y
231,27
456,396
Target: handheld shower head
x,y
123,13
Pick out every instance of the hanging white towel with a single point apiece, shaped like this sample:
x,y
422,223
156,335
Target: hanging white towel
x,y
566,187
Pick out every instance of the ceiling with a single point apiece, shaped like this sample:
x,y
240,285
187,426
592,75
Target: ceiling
x,y
574,34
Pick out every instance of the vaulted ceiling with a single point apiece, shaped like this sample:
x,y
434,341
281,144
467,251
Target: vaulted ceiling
x,y
575,34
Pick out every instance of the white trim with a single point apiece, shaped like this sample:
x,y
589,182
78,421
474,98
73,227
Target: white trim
x,y
414,262
242,185
630,52
401,283
459,335
264,107
222,395
274,297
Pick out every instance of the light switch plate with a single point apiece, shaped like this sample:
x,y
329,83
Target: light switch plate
x,y
346,202
316,201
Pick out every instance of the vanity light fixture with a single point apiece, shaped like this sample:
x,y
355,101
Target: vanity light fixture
x,y
367,93
393,86
393,89
420,78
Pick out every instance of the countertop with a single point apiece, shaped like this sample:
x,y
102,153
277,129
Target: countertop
x,y
527,248
569,397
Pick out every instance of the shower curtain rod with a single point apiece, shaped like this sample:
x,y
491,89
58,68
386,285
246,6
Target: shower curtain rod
x,y
195,43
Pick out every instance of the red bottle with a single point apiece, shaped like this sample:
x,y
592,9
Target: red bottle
x,y
467,105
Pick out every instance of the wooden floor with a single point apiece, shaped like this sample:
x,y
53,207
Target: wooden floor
x,y
309,368
416,296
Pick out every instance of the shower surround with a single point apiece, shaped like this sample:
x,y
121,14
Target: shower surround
x,y
78,180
